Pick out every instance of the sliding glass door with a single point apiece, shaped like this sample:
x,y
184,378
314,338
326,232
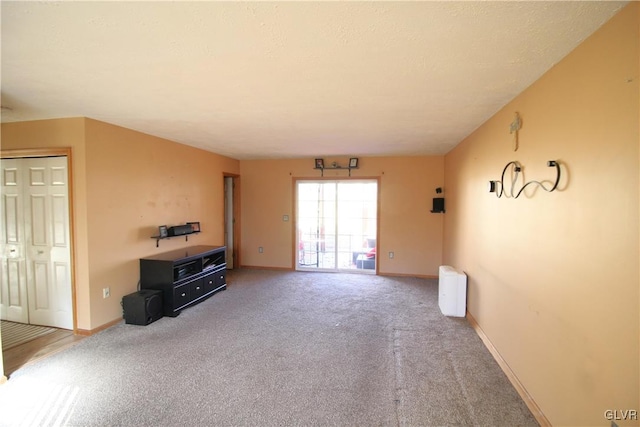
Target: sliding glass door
x,y
337,225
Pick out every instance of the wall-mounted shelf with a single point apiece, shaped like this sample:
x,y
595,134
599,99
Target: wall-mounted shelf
x,y
438,205
158,238
185,230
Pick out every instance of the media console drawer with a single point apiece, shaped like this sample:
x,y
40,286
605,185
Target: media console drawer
x,y
196,288
181,295
185,276
215,280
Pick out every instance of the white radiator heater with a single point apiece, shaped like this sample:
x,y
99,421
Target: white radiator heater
x,y
452,291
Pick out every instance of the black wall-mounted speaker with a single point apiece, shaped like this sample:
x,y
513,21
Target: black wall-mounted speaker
x,y
180,230
142,307
438,205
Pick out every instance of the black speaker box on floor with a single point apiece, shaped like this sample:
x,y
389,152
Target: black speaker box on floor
x,y
142,307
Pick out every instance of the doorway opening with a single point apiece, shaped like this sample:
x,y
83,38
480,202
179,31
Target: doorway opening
x,y
231,212
336,225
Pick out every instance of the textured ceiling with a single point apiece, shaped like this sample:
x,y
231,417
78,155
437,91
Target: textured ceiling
x,y
285,79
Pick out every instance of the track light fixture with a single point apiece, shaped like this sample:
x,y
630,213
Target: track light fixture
x,y
353,164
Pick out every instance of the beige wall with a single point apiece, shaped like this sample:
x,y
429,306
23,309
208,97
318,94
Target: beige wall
x,y
135,183
407,186
553,277
55,134
126,184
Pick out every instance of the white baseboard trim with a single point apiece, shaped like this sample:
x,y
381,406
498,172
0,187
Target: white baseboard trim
x,y
524,394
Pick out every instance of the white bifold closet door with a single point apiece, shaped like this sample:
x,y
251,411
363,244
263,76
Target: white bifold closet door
x,y
36,247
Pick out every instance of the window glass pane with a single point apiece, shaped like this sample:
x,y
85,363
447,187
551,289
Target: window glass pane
x,y
337,225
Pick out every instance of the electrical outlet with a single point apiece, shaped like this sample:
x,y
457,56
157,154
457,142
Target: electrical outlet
x,y
260,250
106,292
391,255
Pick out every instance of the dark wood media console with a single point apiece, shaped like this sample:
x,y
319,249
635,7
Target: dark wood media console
x,y
185,276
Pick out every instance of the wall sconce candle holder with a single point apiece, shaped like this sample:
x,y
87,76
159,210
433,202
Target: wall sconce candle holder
x,y
438,202
498,187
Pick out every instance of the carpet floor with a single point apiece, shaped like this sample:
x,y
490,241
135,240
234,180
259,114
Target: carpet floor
x,y
277,349
14,334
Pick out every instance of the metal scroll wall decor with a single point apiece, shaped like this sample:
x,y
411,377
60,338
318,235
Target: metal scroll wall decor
x,y
512,190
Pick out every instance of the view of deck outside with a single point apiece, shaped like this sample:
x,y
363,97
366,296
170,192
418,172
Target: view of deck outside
x,y
337,225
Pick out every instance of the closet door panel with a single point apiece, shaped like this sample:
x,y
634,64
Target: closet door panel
x,y
13,289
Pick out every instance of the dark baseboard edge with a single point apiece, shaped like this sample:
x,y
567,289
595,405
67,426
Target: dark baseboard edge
x,y
522,391
86,333
419,276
